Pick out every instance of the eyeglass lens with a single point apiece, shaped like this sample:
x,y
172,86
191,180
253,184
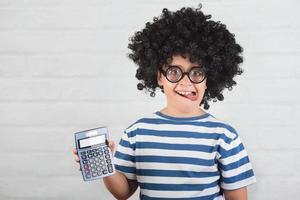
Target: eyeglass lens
x,y
175,74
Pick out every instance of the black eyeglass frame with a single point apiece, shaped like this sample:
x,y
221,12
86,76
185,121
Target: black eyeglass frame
x,y
164,72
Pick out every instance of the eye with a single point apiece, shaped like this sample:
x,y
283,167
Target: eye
x,y
197,72
174,71
173,74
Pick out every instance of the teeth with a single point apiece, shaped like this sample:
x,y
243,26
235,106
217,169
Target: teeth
x,y
184,93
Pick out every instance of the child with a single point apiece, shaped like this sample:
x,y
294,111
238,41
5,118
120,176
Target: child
x,y
181,151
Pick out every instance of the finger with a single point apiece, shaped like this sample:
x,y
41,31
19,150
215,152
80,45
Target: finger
x,y
111,145
74,151
108,143
77,159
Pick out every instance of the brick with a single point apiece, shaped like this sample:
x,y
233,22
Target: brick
x,y
74,114
94,16
275,186
44,140
37,42
274,163
257,115
73,89
67,66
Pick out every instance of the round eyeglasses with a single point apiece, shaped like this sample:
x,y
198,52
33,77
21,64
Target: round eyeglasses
x,y
174,74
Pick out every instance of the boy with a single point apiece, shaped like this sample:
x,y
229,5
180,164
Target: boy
x,y
182,152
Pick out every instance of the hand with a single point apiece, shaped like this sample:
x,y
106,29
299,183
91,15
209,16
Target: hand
x,y
110,143
77,159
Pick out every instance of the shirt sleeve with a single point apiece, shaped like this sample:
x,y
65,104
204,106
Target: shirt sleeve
x,y
234,165
124,158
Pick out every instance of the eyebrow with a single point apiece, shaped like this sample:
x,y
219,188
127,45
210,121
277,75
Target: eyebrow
x,y
182,67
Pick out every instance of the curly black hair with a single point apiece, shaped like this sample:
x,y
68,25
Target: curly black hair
x,y
187,31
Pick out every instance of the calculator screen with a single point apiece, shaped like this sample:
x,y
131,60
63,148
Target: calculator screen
x,y
87,142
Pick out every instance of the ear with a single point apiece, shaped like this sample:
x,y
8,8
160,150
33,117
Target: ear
x,y
159,78
205,83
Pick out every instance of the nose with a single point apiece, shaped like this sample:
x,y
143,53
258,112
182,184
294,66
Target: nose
x,y
185,80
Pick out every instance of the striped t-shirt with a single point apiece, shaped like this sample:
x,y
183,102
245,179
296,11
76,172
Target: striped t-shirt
x,y
183,158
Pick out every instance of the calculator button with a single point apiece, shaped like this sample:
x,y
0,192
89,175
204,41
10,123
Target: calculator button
x,y
100,153
108,161
105,148
83,156
106,151
89,151
104,171
107,156
110,166
84,161
94,174
99,173
83,153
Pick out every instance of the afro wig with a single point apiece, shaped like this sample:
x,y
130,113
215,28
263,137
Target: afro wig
x,y
190,32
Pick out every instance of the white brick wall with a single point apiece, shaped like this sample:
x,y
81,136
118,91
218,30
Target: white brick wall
x,y
63,68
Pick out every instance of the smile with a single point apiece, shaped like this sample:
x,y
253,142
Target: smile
x,y
186,93
191,95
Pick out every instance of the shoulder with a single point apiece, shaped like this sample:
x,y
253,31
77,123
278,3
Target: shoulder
x,y
223,127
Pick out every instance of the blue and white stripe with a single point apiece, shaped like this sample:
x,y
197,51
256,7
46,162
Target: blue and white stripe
x,y
183,158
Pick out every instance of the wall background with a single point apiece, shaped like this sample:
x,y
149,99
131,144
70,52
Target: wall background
x,y
63,68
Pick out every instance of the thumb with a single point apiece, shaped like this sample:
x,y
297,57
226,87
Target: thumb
x,y
111,144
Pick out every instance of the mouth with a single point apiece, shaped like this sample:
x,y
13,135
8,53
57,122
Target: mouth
x,y
191,95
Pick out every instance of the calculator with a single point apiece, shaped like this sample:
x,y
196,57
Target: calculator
x,y
95,155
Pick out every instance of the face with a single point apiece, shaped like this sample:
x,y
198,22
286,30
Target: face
x,y
183,97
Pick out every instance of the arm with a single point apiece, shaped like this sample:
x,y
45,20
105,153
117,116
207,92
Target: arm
x,y
119,186
238,194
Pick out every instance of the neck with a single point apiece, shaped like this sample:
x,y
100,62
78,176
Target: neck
x,y
178,113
